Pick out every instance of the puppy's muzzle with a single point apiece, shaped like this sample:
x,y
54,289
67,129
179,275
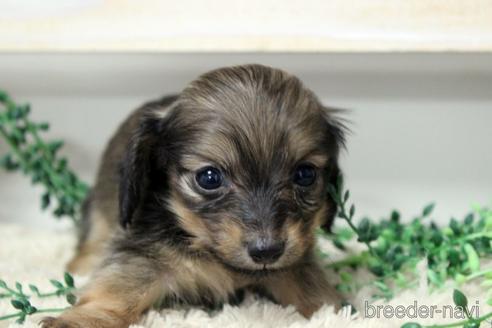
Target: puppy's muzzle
x,y
265,251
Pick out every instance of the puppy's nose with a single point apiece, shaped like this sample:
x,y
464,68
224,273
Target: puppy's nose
x,y
265,252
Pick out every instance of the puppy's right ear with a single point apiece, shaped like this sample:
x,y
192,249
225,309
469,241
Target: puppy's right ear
x,y
336,130
138,161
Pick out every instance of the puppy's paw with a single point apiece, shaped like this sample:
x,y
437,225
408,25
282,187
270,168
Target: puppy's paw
x,y
51,322
79,318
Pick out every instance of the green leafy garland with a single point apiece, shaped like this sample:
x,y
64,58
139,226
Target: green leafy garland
x,y
29,153
20,300
393,248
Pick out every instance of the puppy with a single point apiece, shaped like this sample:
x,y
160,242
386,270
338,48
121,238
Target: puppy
x,y
207,193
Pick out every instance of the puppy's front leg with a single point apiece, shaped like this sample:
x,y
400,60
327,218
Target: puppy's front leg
x,y
115,297
305,287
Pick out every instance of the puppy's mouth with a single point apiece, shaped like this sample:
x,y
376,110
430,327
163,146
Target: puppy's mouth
x,y
256,272
261,272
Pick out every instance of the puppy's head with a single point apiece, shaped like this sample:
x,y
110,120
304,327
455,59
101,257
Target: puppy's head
x,y
236,166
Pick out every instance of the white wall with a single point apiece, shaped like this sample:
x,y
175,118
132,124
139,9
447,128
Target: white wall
x,y
421,123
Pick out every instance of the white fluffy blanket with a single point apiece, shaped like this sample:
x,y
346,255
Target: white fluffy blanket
x,y
30,256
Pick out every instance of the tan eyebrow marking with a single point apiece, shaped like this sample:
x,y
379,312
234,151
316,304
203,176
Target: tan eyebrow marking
x,y
319,160
195,162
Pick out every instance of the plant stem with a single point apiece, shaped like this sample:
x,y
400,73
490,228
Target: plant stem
x,y
52,310
461,323
344,215
20,314
478,274
12,292
477,235
10,316
57,293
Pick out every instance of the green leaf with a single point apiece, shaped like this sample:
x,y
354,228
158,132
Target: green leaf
x,y
395,216
377,270
34,289
56,284
455,227
460,299
346,196
17,304
54,146
454,257
45,200
340,183
18,135
4,97
434,278
18,286
333,192
367,231
437,238
473,259
363,226
469,219
43,126
3,284
352,211
62,164
460,279
71,299
21,319
58,212
5,158
25,109
428,209
8,163
35,178
68,279
411,325
30,309
486,283
345,277
344,234
338,244
381,286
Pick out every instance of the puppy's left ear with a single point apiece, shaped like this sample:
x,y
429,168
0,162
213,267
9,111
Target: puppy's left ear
x,y
335,142
144,154
135,167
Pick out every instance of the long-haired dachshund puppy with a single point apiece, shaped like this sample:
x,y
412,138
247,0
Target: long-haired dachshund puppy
x,y
216,190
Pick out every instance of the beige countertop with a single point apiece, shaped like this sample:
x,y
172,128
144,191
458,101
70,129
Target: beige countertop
x,y
246,26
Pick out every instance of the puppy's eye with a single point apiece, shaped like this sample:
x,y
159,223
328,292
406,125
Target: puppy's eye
x,y
209,178
305,175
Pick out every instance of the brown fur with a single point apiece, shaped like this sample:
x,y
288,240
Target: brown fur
x,y
178,242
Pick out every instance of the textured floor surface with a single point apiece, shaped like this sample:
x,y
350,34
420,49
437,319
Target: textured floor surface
x,y
31,256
